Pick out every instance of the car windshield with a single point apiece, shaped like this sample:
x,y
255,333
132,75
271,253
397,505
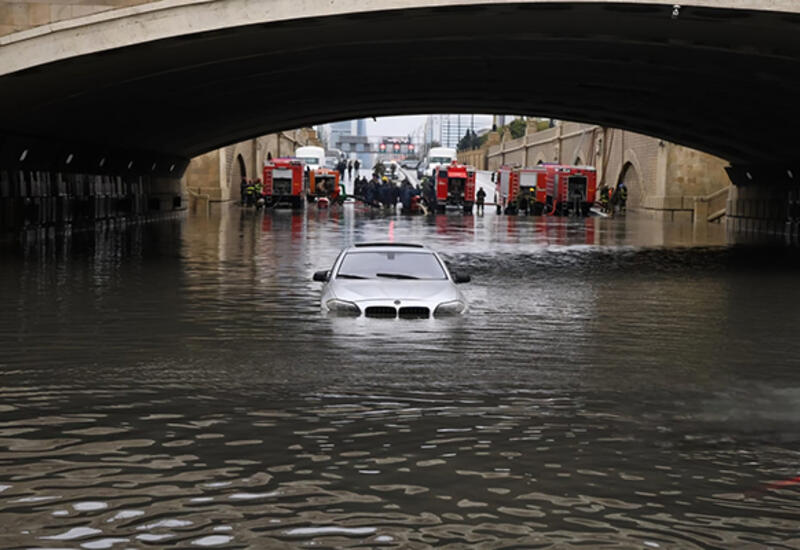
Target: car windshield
x,y
391,265
441,160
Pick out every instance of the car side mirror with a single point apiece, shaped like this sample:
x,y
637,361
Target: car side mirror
x,y
321,276
461,278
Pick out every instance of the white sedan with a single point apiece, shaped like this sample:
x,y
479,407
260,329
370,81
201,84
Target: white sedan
x,y
391,280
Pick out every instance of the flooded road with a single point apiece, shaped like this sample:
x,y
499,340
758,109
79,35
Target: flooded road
x,y
617,383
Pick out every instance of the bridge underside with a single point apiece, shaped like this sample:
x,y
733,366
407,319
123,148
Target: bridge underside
x,y
722,81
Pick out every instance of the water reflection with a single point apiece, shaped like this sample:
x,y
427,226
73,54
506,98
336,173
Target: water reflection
x,y
618,383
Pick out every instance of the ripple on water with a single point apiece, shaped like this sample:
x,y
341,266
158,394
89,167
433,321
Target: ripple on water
x,y
153,377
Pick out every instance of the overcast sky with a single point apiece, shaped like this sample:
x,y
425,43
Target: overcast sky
x,y
404,125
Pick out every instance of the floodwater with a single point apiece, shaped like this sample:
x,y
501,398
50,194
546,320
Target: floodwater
x,y
617,383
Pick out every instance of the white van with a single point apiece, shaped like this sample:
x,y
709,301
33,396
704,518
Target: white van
x,y
438,156
313,157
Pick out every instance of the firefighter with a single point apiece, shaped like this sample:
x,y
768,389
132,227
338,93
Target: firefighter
x,y
614,201
604,198
243,190
522,200
481,196
257,188
251,193
350,169
623,195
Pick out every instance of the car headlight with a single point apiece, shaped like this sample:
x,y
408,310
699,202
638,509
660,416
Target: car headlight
x,y
342,307
450,308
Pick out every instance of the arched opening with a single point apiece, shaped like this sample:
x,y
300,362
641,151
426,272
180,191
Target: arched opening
x,y
632,180
239,171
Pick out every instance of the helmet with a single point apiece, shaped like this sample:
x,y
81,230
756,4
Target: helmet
x,y
385,178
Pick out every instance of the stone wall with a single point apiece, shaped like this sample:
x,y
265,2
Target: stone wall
x,y
215,176
19,15
476,158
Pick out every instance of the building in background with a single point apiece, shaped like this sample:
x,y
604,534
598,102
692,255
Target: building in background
x,y
447,130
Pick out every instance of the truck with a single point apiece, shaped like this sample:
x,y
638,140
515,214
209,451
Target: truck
x,y
438,156
323,183
455,186
521,189
284,182
570,189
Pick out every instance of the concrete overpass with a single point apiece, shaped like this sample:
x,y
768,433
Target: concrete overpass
x,y
143,88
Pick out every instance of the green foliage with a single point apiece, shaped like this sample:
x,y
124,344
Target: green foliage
x,y
517,128
469,142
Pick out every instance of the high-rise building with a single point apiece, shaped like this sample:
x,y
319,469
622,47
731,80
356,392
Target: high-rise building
x,y
448,130
337,130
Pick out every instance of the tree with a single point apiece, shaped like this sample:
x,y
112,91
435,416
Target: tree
x,y
517,128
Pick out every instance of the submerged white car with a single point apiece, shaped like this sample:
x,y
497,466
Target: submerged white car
x,y
391,280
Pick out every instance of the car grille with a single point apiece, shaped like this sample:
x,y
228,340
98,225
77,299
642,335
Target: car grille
x,y
387,312
415,312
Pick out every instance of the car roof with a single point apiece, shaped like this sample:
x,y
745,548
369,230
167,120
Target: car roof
x,y
383,246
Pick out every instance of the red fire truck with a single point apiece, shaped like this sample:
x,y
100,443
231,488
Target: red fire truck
x,y
455,186
522,189
284,182
323,183
570,189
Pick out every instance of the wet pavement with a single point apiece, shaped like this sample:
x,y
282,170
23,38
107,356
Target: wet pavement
x,y
617,383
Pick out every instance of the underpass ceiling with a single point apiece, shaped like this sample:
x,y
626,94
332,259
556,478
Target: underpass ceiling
x,y
720,81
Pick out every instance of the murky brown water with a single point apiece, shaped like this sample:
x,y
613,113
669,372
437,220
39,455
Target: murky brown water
x,y
617,383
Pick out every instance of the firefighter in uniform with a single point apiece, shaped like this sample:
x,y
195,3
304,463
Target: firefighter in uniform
x,y
250,190
604,198
481,196
623,196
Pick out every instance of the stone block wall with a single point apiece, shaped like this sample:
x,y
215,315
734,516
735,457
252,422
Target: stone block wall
x,y
215,176
20,15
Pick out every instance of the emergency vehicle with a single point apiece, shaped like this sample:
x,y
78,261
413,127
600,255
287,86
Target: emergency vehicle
x,y
521,188
323,183
284,182
570,189
455,186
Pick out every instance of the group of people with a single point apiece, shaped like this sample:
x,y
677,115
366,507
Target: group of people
x,y
380,191
250,191
345,166
613,200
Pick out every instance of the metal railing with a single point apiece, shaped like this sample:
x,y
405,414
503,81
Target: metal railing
x,y
713,207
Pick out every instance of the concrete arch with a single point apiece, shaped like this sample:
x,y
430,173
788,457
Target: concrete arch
x,y
194,68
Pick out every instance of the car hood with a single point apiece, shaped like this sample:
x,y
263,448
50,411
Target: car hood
x,y
355,290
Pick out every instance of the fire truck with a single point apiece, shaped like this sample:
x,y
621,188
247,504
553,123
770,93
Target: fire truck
x,y
521,188
323,183
570,189
455,186
284,182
